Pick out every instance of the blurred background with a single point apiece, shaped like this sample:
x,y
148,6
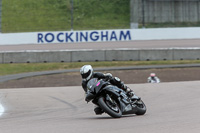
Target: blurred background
x,y
65,15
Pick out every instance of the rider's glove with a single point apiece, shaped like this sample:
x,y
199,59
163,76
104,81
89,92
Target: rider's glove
x,y
130,93
108,75
124,87
128,90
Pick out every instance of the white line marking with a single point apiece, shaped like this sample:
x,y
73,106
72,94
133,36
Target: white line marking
x,y
1,110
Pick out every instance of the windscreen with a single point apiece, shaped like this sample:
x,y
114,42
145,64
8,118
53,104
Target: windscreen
x,y
92,83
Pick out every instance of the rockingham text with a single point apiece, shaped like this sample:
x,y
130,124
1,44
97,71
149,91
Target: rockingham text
x,y
85,36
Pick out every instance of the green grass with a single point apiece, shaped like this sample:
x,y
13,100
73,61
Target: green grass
x,y
6,69
34,15
55,15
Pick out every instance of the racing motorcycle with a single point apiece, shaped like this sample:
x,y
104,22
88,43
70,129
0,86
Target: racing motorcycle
x,y
113,100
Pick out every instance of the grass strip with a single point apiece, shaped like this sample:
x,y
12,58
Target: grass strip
x,y
6,69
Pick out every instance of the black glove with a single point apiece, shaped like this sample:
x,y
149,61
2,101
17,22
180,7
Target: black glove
x,y
108,75
124,87
89,96
130,93
128,90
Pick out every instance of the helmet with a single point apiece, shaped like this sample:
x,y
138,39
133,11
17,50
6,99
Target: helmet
x,y
152,74
86,72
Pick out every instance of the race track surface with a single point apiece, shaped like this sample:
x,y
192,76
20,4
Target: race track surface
x,y
171,108
106,45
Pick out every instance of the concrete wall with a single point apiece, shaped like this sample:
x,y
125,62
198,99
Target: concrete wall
x,y
100,55
122,55
186,54
36,56
99,36
88,55
158,11
156,54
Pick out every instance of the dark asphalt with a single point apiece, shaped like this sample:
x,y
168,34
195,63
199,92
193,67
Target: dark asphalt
x,y
187,43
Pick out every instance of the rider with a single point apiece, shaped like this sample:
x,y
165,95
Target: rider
x,y
87,73
153,78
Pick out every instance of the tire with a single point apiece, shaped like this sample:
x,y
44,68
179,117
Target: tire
x,y
141,108
115,113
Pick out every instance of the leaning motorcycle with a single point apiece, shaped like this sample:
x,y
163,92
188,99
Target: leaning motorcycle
x,y
113,100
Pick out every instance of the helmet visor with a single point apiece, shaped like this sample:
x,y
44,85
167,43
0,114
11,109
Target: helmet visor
x,y
85,75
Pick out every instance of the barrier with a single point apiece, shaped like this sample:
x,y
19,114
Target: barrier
x,y
100,55
20,57
36,56
1,58
156,54
122,55
88,55
99,35
187,54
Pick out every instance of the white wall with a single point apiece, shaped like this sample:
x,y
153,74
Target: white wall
x,y
99,35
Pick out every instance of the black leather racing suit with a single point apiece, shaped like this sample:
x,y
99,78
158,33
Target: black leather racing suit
x,y
114,81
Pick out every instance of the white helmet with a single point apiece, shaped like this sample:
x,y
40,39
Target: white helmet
x,y
86,72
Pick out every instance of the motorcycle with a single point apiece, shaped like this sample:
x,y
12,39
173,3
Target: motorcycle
x,y
113,100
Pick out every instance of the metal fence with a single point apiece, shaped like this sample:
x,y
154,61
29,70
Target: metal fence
x,y
62,15
164,11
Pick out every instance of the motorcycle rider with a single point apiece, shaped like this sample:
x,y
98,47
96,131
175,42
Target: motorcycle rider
x,y
87,73
153,78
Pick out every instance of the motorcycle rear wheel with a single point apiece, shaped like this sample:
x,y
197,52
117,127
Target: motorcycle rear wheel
x,y
114,111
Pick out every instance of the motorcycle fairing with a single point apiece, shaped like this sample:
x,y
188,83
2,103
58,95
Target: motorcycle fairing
x,y
96,86
123,100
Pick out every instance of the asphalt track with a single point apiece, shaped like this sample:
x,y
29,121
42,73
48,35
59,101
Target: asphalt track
x,y
105,45
171,108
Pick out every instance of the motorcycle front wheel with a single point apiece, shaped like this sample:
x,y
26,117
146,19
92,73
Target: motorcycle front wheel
x,y
141,108
110,107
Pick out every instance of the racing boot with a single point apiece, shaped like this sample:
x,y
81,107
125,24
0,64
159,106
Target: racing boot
x,y
98,110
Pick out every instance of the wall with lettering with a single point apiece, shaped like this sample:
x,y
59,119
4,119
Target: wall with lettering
x,y
84,36
99,35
